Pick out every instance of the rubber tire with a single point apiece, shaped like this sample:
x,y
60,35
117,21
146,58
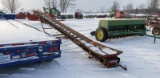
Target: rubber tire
x,y
92,33
101,32
156,31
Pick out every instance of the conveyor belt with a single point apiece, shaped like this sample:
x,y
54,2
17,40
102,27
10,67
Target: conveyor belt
x,y
106,55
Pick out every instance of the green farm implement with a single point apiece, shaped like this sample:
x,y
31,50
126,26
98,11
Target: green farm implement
x,y
115,28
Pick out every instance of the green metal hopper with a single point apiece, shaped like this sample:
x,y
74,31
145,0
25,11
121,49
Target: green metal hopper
x,y
119,27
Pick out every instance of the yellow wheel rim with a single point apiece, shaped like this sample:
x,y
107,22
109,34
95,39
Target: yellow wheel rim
x,y
100,34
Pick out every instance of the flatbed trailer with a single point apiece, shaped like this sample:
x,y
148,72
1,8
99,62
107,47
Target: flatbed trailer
x,y
17,50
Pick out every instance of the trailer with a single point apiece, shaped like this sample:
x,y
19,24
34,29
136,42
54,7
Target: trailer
x,y
7,16
21,44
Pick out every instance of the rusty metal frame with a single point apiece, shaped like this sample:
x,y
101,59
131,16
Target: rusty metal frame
x,y
77,38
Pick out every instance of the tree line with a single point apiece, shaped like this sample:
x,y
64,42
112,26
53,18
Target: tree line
x,y
13,5
151,8
62,4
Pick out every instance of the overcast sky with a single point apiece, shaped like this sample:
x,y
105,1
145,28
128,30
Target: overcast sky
x,y
85,5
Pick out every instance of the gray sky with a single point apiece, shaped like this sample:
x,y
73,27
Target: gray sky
x,y
85,5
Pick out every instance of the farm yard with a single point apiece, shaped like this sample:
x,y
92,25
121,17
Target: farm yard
x,y
79,39
140,55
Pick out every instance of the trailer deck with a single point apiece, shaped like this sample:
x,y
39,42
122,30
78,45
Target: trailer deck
x,y
20,44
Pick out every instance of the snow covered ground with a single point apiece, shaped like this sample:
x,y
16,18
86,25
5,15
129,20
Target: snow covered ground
x,y
140,55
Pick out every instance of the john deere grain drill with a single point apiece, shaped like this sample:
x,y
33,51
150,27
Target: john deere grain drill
x,y
115,28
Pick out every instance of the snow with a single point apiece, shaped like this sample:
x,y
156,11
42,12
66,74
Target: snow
x,y
67,13
108,51
97,50
85,14
140,55
19,33
139,14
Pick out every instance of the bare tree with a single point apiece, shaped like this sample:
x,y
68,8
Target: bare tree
x,y
54,3
153,6
124,7
102,9
64,4
142,6
115,6
51,3
129,8
11,5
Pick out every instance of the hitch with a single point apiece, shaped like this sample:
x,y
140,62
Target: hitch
x,y
123,67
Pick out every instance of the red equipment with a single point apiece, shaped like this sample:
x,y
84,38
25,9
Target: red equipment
x,y
155,23
21,15
119,14
33,17
78,15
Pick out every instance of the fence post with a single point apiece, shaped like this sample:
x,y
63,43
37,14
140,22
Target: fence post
x,y
155,39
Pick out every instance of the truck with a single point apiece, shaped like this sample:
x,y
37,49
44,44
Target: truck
x,y
20,44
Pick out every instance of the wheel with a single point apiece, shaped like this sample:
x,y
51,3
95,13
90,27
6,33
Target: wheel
x,y
101,34
155,31
92,33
